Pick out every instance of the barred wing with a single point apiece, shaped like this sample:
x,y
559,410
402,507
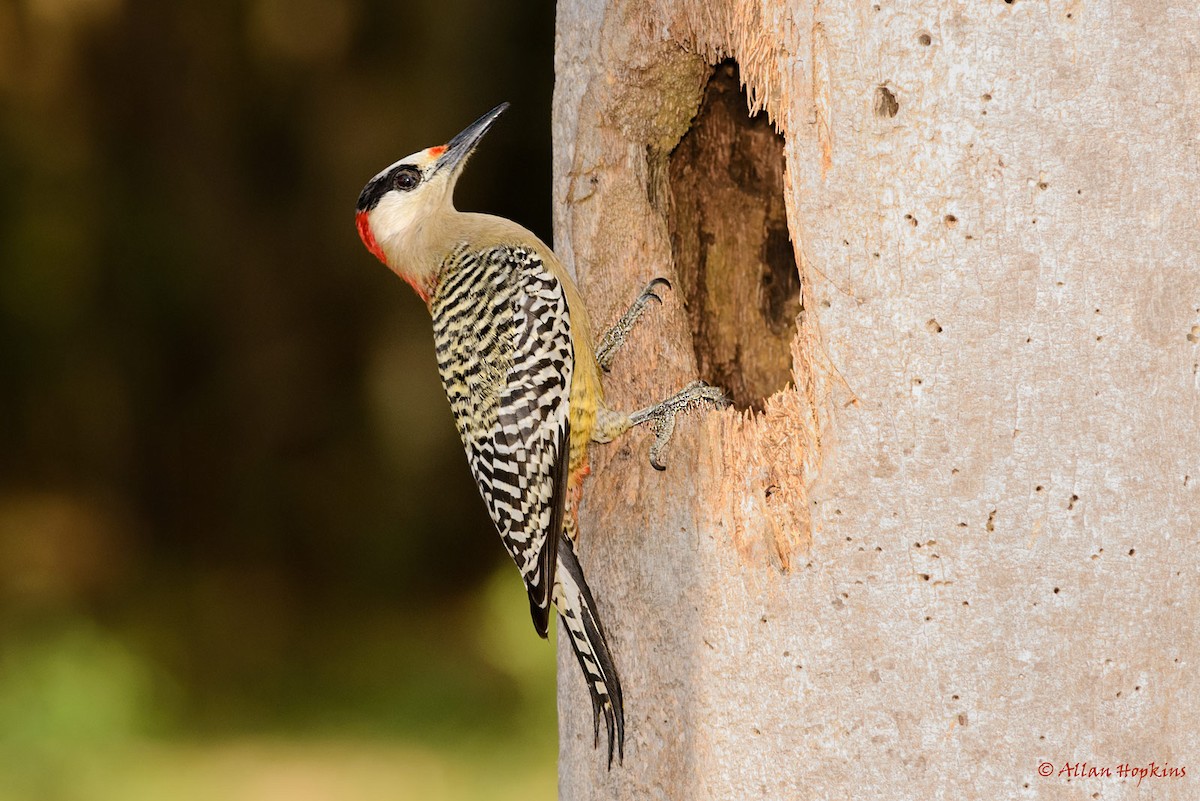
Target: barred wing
x,y
503,337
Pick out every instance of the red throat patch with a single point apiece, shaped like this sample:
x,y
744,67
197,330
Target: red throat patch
x,y
367,237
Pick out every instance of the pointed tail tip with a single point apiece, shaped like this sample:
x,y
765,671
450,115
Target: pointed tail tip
x,y
619,731
614,722
577,609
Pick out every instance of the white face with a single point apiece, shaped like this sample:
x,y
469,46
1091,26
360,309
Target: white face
x,y
395,202
402,195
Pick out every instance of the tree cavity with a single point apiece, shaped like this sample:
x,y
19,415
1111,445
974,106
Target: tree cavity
x,y
732,248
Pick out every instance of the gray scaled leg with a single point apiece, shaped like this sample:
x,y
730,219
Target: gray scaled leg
x,y
614,337
610,423
661,417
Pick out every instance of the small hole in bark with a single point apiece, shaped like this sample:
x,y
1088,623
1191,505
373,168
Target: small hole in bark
x,y
886,104
951,220
933,327
732,246
925,39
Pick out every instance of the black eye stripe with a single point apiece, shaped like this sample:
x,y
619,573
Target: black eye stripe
x,y
374,191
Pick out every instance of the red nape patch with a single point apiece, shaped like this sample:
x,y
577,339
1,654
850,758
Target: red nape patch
x,y
434,152
367,237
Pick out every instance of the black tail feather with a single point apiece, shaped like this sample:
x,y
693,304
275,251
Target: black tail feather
x,y
582,624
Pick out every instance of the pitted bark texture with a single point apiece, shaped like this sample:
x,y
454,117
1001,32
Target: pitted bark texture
x,y
964,541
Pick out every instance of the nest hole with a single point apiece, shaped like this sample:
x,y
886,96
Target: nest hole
x,y
732,246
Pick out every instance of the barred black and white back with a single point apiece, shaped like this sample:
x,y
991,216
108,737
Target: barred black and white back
x,y
503,340
502,333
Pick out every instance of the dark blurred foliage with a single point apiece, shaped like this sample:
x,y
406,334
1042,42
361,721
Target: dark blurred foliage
x,y
224,444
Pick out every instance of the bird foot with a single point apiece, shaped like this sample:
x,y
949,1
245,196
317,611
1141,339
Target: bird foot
x,y
615,337
661,416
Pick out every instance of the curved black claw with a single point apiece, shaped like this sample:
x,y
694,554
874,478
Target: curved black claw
x,y
662,427
660,281
649,292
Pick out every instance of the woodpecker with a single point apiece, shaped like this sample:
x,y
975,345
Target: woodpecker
x,y
515,355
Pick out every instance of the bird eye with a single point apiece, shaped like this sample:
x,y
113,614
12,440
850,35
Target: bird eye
x,y
407,179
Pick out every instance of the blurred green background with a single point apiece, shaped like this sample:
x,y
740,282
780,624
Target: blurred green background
x,y
241,556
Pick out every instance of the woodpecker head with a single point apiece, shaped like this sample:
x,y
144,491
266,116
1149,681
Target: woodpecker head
x,y
398,201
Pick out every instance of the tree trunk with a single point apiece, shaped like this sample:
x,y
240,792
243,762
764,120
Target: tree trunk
x,y
949,532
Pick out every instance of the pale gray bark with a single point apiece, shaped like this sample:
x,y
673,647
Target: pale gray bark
x,y
965,544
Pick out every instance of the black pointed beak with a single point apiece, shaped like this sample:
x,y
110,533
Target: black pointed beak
x,y
461,146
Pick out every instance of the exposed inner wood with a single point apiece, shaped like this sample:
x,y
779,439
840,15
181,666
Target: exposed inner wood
x,y
732,250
